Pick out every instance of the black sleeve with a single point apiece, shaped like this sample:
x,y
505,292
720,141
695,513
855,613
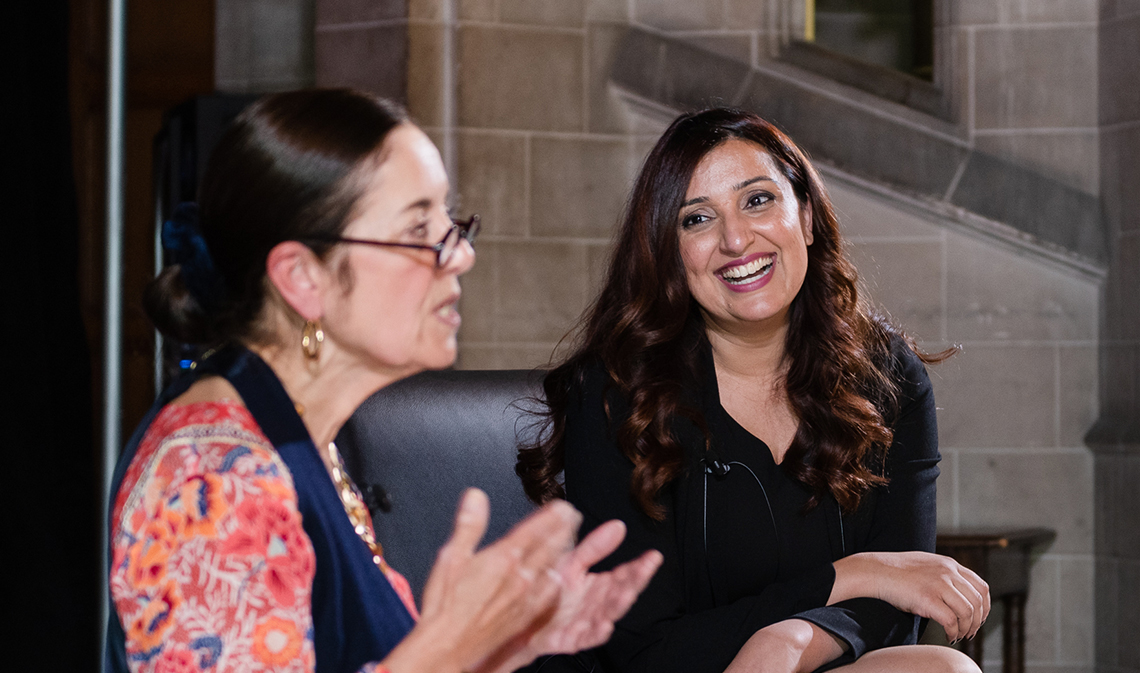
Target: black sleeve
x,y
663,632
897,517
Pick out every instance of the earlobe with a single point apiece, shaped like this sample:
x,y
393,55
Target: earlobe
x,y
298,275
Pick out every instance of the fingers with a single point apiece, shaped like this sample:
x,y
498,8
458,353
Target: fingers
x,y
470,521
600,543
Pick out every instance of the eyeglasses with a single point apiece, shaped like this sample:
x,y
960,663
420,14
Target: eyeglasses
x,y
465,230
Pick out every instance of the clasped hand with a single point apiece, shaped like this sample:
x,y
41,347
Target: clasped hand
x,y
530,593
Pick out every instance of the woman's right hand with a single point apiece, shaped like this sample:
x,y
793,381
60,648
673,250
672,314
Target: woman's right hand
x,y
921,583
476,601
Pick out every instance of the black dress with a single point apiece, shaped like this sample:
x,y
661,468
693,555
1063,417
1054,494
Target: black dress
x,y
740,554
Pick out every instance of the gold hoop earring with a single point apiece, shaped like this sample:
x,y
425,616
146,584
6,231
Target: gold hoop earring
x,y
312,336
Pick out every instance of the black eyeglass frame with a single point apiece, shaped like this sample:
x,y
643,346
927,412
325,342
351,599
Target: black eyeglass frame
x,y
465,230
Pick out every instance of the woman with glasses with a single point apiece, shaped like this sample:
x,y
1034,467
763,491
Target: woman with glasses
x,y
734,401
321,266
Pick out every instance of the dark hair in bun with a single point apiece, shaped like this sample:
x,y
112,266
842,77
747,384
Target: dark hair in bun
x,y
286,169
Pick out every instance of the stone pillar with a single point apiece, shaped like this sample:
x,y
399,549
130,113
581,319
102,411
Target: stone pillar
x,y
1116,436
363,44
263,45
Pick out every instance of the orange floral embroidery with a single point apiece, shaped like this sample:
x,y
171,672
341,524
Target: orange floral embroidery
x,y
269,528
147,630
176,660
276,641
203,504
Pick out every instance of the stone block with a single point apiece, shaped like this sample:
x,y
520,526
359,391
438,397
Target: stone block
x,y
1071,158
1118,9
480,299
676,74
520,79
865,215
1046,209
1117,502
606,112
492,180
612,11
967,12
855,139
1041,611
425,73
673,15
994,294
904,278
478,10
1122,291
750,14
1120,391
736,46
1107,611
1129,615
543,289
331,12
1119,52
1078,393
264,45
578,186
1075,626
1119,174
1027,488
1047,11
505,356
564,13
372,59
1036,77
426,10
996,396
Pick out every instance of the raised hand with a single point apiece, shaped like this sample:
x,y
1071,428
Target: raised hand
x,y
589,603
477,601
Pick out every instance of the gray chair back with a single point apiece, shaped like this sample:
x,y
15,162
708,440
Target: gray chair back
x,y
424,440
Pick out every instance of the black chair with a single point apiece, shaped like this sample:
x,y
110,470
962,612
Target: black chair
x,y
416,445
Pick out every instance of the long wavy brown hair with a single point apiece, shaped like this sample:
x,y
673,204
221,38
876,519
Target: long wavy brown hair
x,y
646,331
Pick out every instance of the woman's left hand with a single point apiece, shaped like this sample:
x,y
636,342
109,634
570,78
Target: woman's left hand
x,y
588,604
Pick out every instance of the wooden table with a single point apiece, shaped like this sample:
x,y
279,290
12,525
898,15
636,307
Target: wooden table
x,y
1001,557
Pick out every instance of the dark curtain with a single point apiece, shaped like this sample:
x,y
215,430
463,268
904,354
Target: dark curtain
x,y
50,479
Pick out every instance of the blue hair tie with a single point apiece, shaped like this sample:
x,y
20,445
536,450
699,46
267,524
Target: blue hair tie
x,y
183,242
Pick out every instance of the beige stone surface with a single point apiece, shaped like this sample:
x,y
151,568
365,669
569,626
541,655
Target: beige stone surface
x,y
578,186
1030,488
478,10
340,53
513,78
997,396
1075,618
493,179
565,13
905,278
674,15
543,289
425,72
1077,407
735,45
1070,157
480,299
1036,77
606,113
994,294
864,215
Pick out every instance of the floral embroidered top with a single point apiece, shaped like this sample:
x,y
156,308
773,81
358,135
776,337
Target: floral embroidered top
x,y
211,569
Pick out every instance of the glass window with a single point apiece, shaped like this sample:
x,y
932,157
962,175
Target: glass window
x,y
896,34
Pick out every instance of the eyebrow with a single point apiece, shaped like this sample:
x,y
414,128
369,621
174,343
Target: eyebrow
x,y
736,188
422,204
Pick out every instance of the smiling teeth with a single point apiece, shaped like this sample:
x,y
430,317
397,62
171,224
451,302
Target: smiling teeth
x,y
738,274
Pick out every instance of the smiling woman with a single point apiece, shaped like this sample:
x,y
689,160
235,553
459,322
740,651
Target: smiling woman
x,y
738,406
324,265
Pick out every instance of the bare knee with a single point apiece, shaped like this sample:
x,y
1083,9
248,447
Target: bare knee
x,y
913,659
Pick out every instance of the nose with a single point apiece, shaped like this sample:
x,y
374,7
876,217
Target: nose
x,y
462,259
736,234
